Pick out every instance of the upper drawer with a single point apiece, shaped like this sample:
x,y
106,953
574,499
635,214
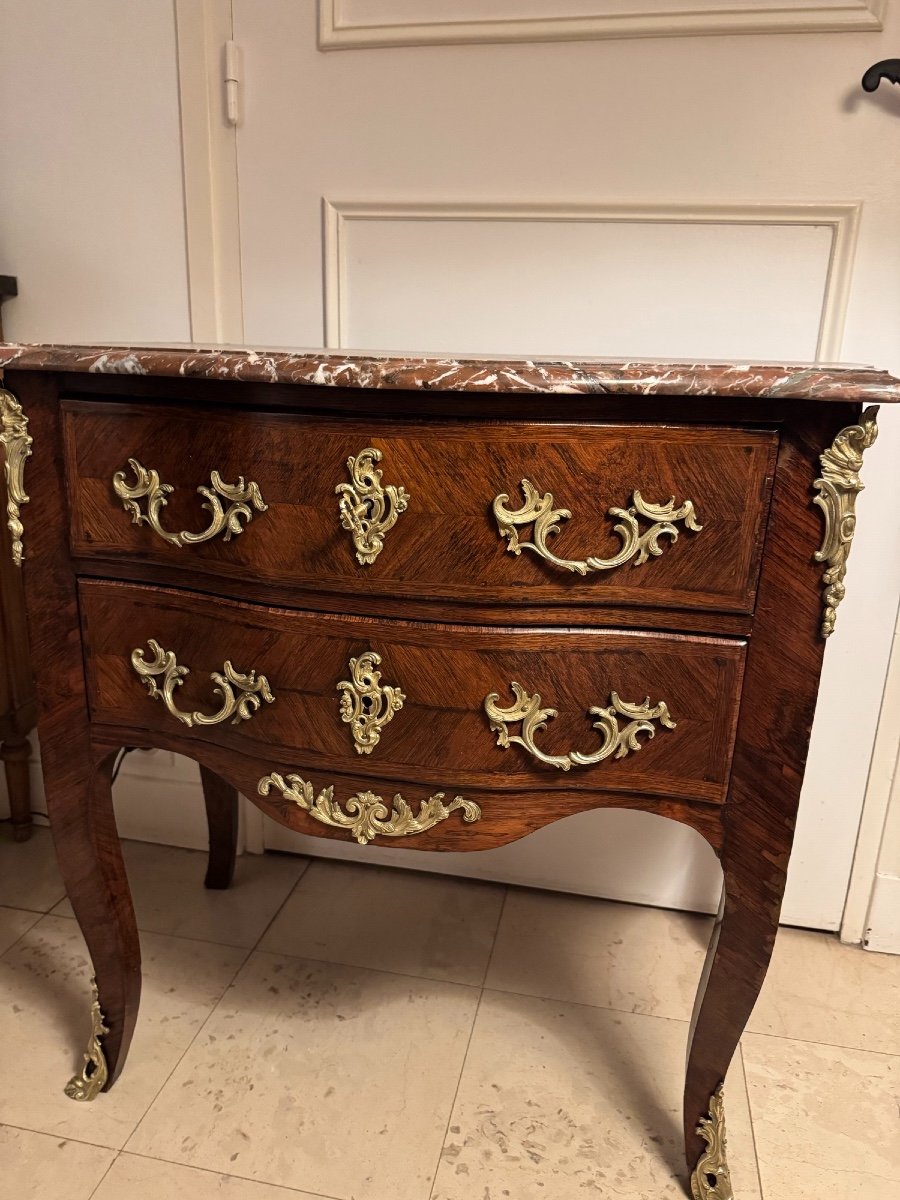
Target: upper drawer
x,y
477,512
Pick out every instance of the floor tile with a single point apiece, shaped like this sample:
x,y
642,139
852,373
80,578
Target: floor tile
x,y
325,1078
39,1167
29,876
417,924
825,1119
13,923
564,1101
621,956
169,896
44,1006
820,991
133,1178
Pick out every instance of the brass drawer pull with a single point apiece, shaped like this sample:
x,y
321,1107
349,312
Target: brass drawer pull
x,y
240,497
366,706
367,815
539,511
616,741
368,510
241,695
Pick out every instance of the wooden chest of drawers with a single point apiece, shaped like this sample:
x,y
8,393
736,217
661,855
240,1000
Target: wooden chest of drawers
x,y
437,605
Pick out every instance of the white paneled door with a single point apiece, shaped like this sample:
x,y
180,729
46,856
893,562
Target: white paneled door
x,y
595,177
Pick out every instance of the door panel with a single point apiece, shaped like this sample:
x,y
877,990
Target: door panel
x,y
584,269
636,196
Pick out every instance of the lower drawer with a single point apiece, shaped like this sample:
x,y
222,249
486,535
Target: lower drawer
x,y
451,706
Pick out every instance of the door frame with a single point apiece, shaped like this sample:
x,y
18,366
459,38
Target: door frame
x,y
209,165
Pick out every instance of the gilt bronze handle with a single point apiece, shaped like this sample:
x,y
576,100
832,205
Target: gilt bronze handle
x,y
617,740
227,521
538,510
241,695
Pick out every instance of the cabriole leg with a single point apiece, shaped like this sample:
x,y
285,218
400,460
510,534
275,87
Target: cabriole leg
x,y
90,859
736,964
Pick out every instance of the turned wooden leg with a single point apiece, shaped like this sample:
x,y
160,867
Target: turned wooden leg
x,y
15,755
222,815
737,960
90,859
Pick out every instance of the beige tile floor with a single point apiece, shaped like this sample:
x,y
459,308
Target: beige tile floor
x,y
353,1033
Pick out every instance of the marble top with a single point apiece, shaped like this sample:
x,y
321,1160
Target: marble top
x,y
324,368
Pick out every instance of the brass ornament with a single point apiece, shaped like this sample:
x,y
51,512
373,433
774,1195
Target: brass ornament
x,y
366,706
91,1079
368,510
240,497
838,486
242,695
711,1179
538,510
365,814
17,446
617,741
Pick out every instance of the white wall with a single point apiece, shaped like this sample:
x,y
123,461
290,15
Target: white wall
x,y
91,197
92,225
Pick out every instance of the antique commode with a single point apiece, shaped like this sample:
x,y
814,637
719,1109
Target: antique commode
x,y
434,604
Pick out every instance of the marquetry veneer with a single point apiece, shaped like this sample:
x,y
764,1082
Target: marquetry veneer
x,y
435,604
443,548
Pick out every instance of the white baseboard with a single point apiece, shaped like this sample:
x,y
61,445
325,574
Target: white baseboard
x,y
157,796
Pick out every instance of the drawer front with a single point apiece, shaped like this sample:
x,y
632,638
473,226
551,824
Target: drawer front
x,y
458,707
484,513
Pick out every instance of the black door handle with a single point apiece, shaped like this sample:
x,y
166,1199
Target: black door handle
x,y
888,68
